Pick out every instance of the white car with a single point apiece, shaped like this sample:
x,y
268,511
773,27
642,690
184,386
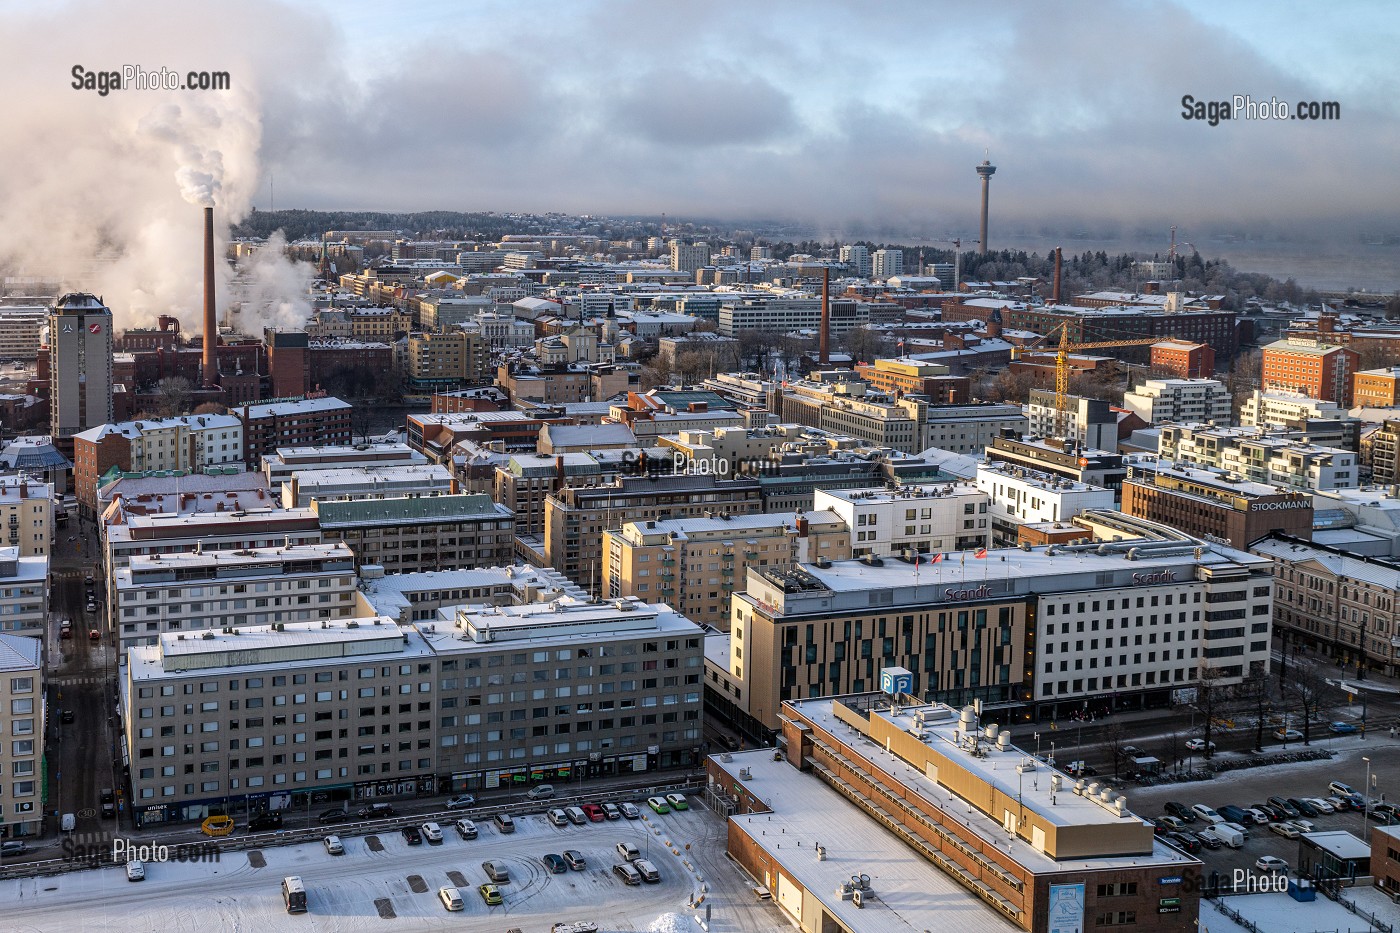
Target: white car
x,y
630,810
1285,829
1307,826
135,870
333,845
1345,790
1199,745
1258,816
1271,863
466,829
432,832
558,817
1207,813
1321,805
461,802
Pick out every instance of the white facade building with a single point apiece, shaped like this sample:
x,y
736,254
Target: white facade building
x,y
1018,496
1273,409
1194,400
886,263
929,519
857,258
22,719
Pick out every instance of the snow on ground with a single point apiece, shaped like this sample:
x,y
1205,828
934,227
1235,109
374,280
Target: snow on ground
x,y
345,892
1279,913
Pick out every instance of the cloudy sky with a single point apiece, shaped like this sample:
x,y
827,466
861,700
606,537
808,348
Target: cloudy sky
x,y
834,114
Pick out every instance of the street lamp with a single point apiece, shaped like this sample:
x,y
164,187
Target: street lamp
x,y
1368,786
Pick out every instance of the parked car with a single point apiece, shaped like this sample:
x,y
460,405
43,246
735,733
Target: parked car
x,y
333,845
1289,811
1285,829
451,898
333,816
433,833
461,802
490,894
1341,728
375,811
1234,814
1287,735
677,802
555,864
541,792
1384,813
1234,827
630,811
558,817
1270,863
575,860
265,821
1180,810
505,823
412,836
496,871
658,805
13,847
611,811
1199,745
594,812
1207,814
1159,828
1208,839
1231,837
647,870
1306,826
628,852
1320,805
575,816
1337,787
1303,807
466,829
1174,824
135,870
1258,815
1185,842
627,873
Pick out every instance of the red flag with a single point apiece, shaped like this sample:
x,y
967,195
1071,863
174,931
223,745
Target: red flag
x,y
981,552
936,558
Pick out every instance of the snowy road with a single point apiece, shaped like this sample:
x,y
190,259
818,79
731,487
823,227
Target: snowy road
x,y
355,891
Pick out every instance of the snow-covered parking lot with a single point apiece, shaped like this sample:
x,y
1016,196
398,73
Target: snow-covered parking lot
x,y
382,883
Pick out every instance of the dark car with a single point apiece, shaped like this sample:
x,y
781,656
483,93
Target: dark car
x,y
1180,810
264,822
1303,807
1384,813
66,716
333,816
1236,815
1271,811
375,811
555,864
1209,840
1160,829
412,836
1289,811
1186,843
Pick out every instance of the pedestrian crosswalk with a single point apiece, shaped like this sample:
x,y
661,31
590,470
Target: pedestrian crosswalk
x,y
89,839
77,681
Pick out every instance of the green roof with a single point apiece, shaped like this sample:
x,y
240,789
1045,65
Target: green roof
x,y
407,510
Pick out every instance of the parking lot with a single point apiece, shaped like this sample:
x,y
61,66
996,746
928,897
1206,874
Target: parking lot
x,y
1298,779
383,882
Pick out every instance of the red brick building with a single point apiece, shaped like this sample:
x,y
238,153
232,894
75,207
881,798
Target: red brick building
x,y
1320,372
310,422
341,359
1182,359
94,453
287,364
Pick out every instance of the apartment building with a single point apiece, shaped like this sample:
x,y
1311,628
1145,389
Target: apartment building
x,y
279,465
886,263
1185,400
192,443
970,429
1087,421
193,591
26,515
1287,410
486,697
1315,370
923,518
412,533
1018,496
693,564
450,360
1208,504
371,482
311,422
20,330
527,480
1377,388
784,315
418,597
1182,359
688,257
575,518
1261,455
905,376
846,407
1063,458
24,593
132,534
22,719
1384,453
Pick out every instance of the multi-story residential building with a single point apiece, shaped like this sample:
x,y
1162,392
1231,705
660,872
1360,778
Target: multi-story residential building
x,y
523,484
80,364
970,429
688,257
692,563
1335,603
1043,628
26,515
1182,359
449,360
22,720
1317,371
408,534
848,408
1384,453
372,482
1261,455
312,422
21,327
575,518
132,534
1087,421
434,435
631,685
191,443
885,263
1186,400
446,313
923,518
1208,504
24,593
418,597
193,591
857,259
788,314
572,382
279,466
905,376
1019,496
1377,388
1063,458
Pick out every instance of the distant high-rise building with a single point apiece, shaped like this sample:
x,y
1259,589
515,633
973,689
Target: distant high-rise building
x,y
687,257
761,252
887,262
80,364
857,258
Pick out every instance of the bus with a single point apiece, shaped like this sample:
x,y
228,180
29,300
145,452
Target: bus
x,y
294,895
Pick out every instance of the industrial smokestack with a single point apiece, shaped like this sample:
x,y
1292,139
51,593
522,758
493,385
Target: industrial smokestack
x,y
986,170
1055,298
211,323
825,338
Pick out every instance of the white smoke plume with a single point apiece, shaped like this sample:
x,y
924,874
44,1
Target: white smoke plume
x,y
100,191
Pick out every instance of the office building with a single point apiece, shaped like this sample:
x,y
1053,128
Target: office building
x,y
80,364
22,719
21,329
1208,504
279,465
198,590
692,564
688,257
418,597
1377,388
970,429
450,360
312,422
1062,458
847,407
1184,400
924,518
906,376
413,533
1018,496
449,730
789,314
886,263
1314,370
1089,422
575,518
372,482
132,534
1182,359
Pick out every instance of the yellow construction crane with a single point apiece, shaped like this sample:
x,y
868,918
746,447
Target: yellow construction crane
x,y
1062,364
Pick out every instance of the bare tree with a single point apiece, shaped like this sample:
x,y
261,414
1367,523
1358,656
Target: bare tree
x,y
211,408
174,395
1255,689
1113,738
1210,702
1306,686
1171,749
865,345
